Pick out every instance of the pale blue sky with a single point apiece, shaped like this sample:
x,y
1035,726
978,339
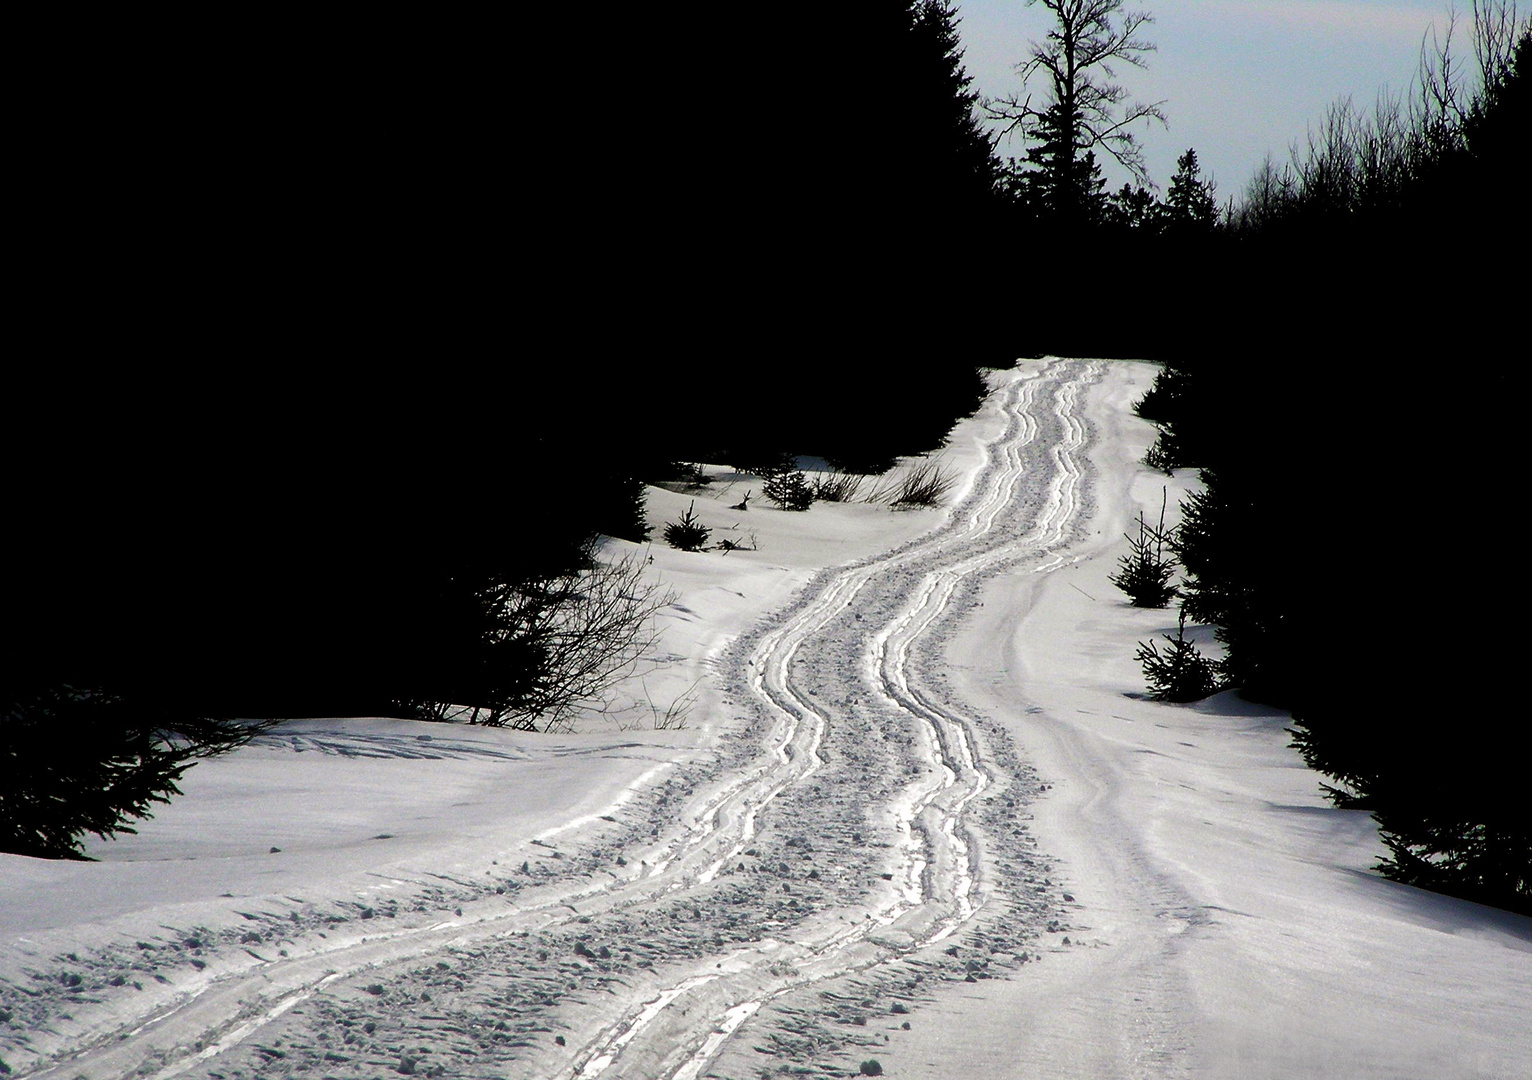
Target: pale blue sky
x,y
1239,77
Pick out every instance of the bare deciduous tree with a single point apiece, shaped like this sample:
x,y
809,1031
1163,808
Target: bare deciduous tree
x,y
1497,27
1085,108
1356,162
555,644
595,628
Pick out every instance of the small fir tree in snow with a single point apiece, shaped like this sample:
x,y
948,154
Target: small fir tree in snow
x,y
789,489
688,534
1145,572
1180,673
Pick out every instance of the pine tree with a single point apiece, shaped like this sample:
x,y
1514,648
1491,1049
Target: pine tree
x,y
1064,186
940,131
1190,206
80,761
1133,207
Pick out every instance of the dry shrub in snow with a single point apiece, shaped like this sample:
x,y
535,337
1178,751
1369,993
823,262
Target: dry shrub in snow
x,y
925,484
553,645
672,718
841,487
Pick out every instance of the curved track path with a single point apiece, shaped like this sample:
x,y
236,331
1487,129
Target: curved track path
x,y
837,838
869,618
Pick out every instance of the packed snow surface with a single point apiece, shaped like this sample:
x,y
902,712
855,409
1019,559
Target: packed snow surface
x,y
892,792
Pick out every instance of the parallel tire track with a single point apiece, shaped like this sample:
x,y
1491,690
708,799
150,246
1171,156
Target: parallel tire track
x,y
936,868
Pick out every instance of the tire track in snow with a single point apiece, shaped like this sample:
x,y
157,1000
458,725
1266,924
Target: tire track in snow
x,y
219,1013
1019,510
937,870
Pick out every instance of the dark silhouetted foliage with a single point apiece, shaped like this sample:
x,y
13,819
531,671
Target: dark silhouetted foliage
x,y
1326,595
78,761
352,431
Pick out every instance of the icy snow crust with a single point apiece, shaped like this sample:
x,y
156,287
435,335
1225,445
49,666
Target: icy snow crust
x,y
920,812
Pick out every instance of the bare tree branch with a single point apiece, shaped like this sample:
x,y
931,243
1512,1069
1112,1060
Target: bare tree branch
x,y
1076,60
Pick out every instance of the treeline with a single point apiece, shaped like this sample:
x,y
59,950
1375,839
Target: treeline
x,y
1352,394
1343,348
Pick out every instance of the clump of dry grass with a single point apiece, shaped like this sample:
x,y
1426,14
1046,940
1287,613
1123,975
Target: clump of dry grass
x,y
926,484
841,487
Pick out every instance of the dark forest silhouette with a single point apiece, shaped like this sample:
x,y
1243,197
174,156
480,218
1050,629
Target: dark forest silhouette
x,y
350,331
1359,301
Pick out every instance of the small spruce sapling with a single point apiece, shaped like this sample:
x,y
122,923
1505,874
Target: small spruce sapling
x,y
688,534
789,489
1180,673
1145,572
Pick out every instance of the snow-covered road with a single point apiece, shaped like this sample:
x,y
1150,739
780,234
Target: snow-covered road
x,y
928,820
872,773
